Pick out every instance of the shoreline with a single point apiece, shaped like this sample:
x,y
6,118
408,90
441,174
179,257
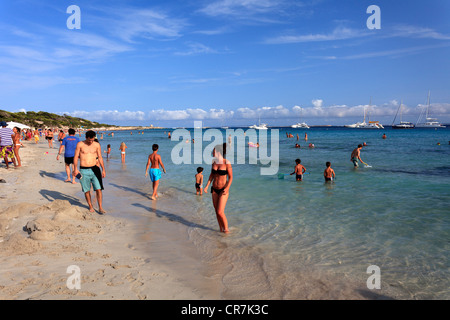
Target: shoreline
x,y
46,227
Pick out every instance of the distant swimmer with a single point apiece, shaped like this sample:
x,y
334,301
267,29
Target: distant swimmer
x,y
356,155
306,136
329,174
299,170
384,136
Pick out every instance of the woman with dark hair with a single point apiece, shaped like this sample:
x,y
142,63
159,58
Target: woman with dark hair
x,y
221,178
49,138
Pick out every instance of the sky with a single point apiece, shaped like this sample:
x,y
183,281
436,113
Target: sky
x,y
226,62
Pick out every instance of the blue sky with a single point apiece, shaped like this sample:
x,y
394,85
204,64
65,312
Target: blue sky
x,y
225,62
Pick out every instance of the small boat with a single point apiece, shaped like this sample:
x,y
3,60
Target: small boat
x,y
300,124
429,122
401,124
364,124
259,126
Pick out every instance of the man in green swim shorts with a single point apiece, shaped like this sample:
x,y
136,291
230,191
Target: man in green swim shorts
x,y
356,155
89,151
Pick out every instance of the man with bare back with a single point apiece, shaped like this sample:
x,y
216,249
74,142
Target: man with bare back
x,y
155,173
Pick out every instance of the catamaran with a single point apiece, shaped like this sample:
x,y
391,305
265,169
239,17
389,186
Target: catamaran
x,y
364,124
429,122
402,124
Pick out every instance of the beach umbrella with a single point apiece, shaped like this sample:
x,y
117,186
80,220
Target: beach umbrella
x,y
13,124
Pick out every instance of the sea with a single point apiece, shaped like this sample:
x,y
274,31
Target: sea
x,y
380,231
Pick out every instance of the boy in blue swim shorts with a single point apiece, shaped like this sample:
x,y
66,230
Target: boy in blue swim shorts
x,y
154,161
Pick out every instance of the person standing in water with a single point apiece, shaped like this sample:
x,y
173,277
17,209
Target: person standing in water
x,y
122,148
221,178
356,155
155,173
329,174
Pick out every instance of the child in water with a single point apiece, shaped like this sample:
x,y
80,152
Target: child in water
x,y
329,174
299,170
108,151
199,180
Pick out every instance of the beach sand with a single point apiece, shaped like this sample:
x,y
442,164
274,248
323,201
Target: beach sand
x,y
46,227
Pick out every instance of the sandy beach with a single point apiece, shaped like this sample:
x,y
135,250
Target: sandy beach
x,y
46,227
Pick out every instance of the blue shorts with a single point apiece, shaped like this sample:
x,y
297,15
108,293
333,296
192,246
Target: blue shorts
x,y
87,178
155,174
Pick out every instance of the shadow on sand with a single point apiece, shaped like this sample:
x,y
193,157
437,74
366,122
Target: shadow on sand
x,y
172,217
51,195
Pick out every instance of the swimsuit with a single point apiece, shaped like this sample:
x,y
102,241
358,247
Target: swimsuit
x,y
90,175
328,179
7,151
198,186
68,160
221,173
299,176
155,174
218,191
355,161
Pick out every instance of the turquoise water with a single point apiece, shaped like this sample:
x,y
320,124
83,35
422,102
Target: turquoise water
x,y
291,237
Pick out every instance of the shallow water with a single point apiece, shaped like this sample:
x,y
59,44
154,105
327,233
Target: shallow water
x,y
307,239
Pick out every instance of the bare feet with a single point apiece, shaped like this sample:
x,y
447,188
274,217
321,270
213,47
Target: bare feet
x,y
67,180
91,209
101,211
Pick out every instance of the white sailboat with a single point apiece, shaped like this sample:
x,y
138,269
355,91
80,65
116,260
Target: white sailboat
x,y
259,126
364,124
300,124
429,122
402,124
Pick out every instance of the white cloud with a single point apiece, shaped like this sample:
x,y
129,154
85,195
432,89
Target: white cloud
x,y
129,24
339,33
317,111
195,48
317,103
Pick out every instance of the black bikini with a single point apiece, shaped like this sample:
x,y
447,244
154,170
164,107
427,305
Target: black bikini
x,y
221,173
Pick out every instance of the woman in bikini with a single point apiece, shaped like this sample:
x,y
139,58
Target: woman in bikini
x,y
17,144
221,178
122,148
49,138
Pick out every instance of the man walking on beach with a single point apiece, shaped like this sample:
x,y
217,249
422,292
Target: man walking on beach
x,y
90,153
356,155
155,173
70,144
6,143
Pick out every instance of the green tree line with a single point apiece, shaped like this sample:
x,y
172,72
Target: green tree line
x,y
44,119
